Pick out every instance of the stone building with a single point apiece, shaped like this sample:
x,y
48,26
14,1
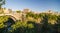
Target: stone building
x,y
7,10
1,10
26,10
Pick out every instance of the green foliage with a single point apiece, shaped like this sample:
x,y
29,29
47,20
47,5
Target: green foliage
x,y
22,24
31,26
2,3
3,18
30,14
41,15
18,11
1,25
53,17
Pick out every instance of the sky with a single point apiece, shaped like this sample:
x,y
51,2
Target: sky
x,y
34,5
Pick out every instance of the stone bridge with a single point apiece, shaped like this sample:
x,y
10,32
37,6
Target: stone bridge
x,y
14,16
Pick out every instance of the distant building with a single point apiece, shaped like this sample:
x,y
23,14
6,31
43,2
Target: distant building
x,y
1,10
7,10
26,10
10,10
49,11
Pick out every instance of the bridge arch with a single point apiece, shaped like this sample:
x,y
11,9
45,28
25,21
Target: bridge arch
x,y
12,17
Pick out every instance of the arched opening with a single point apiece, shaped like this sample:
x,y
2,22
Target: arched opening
x,y
9,22
12,17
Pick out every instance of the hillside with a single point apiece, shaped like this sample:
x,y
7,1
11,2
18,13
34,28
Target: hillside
x,y
31,22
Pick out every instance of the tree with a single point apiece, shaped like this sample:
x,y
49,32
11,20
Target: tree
x,y
29,14
58,23
2,2
45,24
18,11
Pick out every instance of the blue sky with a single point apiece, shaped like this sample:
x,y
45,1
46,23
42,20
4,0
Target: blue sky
x,y
35,5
